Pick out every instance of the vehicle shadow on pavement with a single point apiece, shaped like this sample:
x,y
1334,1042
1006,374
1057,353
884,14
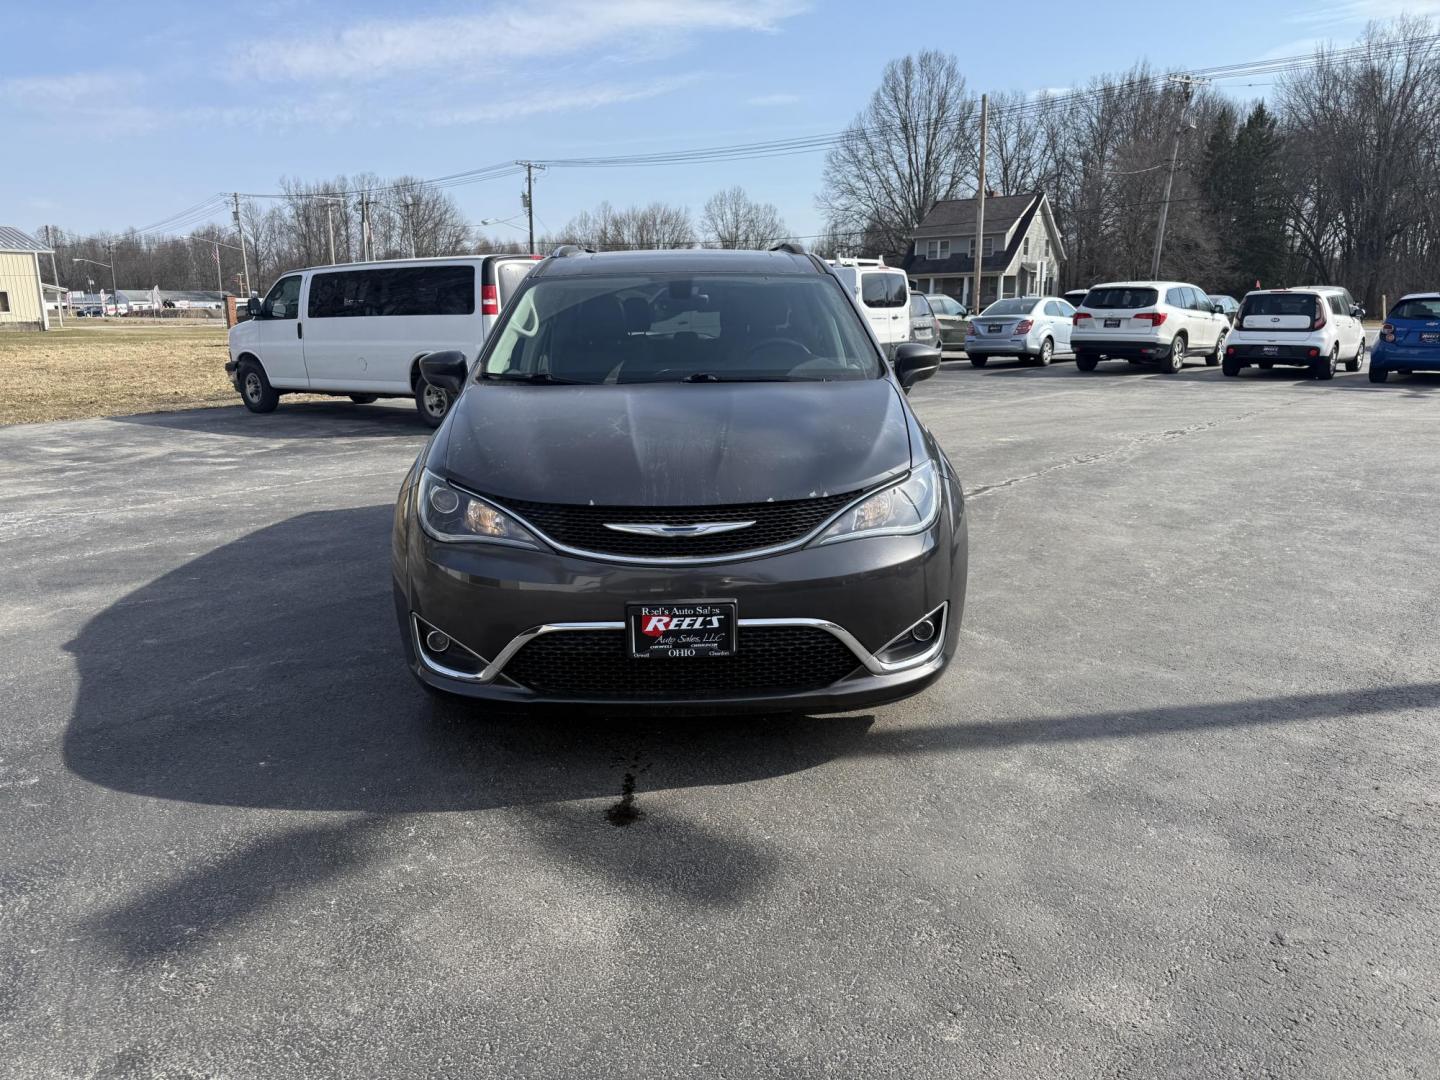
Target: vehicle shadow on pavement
x,y
268,674
323,419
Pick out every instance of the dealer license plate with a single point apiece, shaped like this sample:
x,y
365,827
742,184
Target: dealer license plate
x,y
994,328
1270,350
1112,324
1429,339
681,631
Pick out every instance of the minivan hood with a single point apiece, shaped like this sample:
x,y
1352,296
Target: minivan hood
x,y
675,444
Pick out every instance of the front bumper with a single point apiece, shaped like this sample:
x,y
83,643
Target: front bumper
x,y
1121,348
232,369
497,601
1392,357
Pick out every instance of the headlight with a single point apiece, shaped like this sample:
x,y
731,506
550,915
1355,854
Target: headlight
x,y
907,507
452,515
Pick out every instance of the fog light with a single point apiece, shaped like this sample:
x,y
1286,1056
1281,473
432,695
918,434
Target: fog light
x,y
923,630
435,641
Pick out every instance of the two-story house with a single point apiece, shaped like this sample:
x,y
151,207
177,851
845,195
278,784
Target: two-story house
x,y
1021,254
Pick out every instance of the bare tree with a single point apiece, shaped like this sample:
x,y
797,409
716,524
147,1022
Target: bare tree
x,y
913,145
656,225
731,219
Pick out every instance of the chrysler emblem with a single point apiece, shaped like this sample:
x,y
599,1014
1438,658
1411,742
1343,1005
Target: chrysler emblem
x,y
701,528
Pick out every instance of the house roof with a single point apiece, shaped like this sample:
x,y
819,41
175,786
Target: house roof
x,y
996,262
12,239
951,216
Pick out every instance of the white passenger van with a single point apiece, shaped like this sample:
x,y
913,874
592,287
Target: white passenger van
x,y
883,293
360,329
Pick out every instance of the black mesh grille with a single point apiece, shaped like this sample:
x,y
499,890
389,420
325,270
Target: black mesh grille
x,y
583,527
594,664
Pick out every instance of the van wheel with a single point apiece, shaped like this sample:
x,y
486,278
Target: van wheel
x,y
979,361
1354,365
1086,361
1046,353
1175,360
364,399
432,402
255,389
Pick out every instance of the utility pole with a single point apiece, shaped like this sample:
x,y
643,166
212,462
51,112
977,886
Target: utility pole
x,y
364,226
330,225
528,197
244,258
411,202
1189,89
114,289
979,253
219,278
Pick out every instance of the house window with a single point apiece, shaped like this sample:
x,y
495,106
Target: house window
x,y
4,302
1025,246
989,248
937,249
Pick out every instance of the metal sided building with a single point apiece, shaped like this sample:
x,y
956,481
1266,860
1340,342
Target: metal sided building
x,y
22,293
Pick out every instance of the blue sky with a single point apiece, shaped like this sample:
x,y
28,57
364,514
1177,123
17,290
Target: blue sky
x,y
122,115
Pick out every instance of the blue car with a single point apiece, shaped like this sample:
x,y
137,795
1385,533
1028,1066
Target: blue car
x,y
1410,339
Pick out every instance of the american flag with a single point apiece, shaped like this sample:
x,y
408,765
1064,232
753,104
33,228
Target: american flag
x,y
216,249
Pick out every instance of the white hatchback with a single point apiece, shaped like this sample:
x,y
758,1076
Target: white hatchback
x,y
1316,328
1157,322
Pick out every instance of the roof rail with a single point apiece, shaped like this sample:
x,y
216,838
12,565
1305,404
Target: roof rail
x,y
566,250
791,246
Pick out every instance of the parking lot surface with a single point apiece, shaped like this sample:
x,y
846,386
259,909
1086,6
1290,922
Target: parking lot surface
x,y
1173,811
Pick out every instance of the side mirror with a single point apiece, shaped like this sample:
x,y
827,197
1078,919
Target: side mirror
x,y
253,307
1357,312
914,362
1216,309
447,370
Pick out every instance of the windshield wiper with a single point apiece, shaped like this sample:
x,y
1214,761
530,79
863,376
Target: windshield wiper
x,y
710,376
542,377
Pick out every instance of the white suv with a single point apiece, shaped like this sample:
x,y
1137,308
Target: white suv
x,y
1158,322
1316,327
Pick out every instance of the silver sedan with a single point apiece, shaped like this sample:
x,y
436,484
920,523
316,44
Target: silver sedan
x,y
1032,328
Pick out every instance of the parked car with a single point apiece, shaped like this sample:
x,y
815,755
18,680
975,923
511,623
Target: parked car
x,y
360,329
1158,322
1075,297
681,480
923,325
952,317
1410,339
1030,328
1314,328
1229,306
883,293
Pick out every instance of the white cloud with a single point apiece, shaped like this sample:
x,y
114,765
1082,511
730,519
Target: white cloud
x,y
1361,11
502,35
79,88
773,100
591,97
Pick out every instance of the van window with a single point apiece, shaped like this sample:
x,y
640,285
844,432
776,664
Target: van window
x,y
509,273
882,290
391,291
284,299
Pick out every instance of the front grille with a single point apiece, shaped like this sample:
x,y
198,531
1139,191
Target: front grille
x,y
583,527
594,664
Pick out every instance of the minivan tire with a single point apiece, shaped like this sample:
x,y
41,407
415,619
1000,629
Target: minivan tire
x,y
432,403
255,389
1175,358
364,399
1323,367
979,361
1086,361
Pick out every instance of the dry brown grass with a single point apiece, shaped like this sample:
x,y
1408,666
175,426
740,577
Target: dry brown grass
x,y
110,370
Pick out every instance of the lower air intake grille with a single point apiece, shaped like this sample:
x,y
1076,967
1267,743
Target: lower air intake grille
x,y
593,664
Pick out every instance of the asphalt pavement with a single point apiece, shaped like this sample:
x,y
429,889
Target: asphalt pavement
x,y
1173,811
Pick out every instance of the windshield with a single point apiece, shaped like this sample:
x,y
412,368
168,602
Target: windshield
x,y
1022,306
682,328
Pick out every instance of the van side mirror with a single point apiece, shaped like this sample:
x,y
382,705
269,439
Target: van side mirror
x,y
447,370
915,362
253,307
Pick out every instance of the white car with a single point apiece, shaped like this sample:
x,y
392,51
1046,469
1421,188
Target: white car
x,y
360,329
1156,322
1032,328
883,293
1315,327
